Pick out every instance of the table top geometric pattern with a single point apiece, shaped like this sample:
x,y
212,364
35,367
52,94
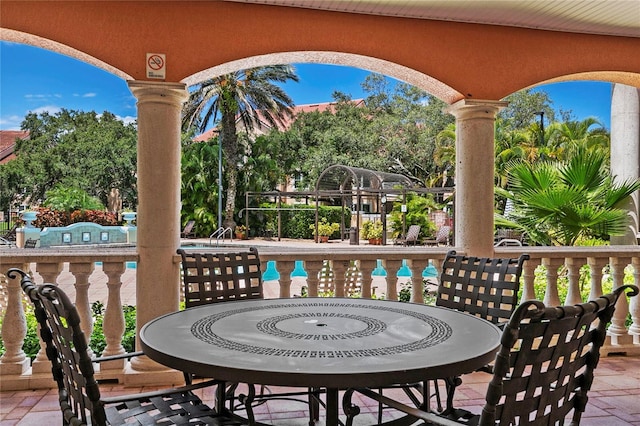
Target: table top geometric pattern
x,y
325,342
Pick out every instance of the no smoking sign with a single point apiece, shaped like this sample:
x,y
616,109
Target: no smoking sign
x,y
156,65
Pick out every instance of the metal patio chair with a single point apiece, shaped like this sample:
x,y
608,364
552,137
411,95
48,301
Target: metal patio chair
x,y
78,391
225,277
543,370
483,287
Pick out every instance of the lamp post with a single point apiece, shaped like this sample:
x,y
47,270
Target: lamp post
x,y
384,220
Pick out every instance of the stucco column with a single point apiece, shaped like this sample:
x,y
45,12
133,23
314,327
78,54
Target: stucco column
x,y
625,149
475,157
157,277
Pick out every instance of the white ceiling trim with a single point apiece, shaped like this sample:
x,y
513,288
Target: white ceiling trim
x,y
606,17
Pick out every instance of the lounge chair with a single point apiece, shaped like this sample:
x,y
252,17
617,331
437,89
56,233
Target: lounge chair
x,y
441,237
188,231
412,236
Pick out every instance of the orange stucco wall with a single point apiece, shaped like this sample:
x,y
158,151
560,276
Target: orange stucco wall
x,y
477,61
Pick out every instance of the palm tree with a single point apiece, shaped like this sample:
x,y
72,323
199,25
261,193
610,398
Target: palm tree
x,y
445,152
567,136
247,96
563,202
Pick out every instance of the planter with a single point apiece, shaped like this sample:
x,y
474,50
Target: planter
x,y
129,217
375,241
28,217
323,238
241,235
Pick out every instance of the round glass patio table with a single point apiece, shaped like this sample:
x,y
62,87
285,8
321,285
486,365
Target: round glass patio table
x,y
331,343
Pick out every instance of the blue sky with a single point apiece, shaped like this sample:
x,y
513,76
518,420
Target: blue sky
x,y
33,79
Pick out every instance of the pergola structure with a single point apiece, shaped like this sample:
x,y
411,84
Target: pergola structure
x,y
346,182
471,57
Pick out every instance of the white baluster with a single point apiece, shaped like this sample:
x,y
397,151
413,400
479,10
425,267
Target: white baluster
x,y
285,268
392,266
49,273
113,325
617,330
551,297
339,270
81,273
313,268
596,264
366,267
529,275
573,267
417,287
14,328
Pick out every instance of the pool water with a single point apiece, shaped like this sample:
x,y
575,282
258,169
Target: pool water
x,y
271,273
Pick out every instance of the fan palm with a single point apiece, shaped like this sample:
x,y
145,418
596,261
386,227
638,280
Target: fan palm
x,y
559,203
249,97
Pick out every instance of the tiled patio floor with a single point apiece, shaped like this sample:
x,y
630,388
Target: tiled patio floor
x,y
614,400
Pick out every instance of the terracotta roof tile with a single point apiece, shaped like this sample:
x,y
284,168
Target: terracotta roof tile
x,y
286,121
8,142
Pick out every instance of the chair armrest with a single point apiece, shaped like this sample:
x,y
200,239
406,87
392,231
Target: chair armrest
x,y
167,391
119,356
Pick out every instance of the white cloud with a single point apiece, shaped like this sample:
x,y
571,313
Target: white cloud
x,y
85,95
39,96
128,119
11,122
51,109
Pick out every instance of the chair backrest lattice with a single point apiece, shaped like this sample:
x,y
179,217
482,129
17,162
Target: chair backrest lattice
x,y
442,236
484,287
219,277
546,362
412,234
66,348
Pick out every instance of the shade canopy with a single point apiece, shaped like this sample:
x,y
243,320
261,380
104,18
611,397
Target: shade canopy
x,y
346,178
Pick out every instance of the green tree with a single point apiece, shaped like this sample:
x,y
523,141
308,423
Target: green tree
x,y
199,185
70,199
393,130
575,134
73,149
251,97
564,202
523,109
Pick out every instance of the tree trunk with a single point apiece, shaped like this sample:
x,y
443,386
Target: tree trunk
x,y
230,157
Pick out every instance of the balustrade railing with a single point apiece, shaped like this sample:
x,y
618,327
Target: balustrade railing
x,y
99,275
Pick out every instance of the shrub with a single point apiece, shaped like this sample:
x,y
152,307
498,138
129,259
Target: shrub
x,y
46,217
295,223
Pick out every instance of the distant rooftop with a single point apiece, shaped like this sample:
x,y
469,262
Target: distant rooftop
x,y
8,142
287,121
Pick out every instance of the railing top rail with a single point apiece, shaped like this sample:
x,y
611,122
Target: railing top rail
x,y
336,252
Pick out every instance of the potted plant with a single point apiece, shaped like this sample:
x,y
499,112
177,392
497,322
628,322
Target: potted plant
x,y
372,231
241,232
325,230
